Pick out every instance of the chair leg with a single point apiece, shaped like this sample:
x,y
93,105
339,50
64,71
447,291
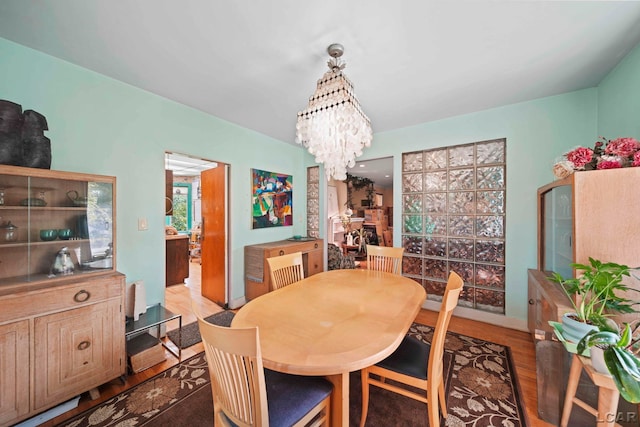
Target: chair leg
x,y
443,402
432,406
364,374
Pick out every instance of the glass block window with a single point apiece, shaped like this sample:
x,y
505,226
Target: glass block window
x,y
453,219
313,201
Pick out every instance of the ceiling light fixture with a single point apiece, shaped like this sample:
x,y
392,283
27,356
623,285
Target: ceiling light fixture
x,y
333,127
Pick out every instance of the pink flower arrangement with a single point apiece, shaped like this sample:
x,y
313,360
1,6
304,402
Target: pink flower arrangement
x,y
606,154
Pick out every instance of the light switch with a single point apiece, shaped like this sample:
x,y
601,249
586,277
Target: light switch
x,y
143,225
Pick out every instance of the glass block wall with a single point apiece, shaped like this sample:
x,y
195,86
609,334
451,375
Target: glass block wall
x,y
453,219
313,201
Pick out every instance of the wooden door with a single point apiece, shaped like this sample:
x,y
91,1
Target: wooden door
x,y
14,371
214,234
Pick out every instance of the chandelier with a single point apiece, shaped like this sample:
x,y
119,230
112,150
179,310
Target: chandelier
x,y
333,127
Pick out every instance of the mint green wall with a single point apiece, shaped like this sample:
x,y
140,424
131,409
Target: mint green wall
x,y
537,132
99,125
103,126
619,99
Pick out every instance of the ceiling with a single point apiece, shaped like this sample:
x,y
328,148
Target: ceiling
x,y
184,165
256,63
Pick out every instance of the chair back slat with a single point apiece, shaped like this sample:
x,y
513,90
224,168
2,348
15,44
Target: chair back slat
x,y
449,302
285,269
383,258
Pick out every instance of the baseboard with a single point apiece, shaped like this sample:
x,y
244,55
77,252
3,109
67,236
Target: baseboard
x,y
482,316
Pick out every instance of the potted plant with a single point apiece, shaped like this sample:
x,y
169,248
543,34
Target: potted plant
x,y
594,294
618,357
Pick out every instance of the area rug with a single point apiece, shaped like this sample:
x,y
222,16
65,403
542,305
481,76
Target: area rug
x,y
191,332
481,389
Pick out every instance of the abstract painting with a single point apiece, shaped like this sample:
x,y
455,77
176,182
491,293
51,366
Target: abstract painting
x,y
272,199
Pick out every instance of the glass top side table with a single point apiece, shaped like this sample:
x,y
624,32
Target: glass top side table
x,y
155,316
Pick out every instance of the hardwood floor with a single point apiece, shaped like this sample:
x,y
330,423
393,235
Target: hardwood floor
x,y
179,297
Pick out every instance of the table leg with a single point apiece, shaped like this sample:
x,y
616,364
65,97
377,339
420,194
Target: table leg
x,y
607,406
572,387
340,399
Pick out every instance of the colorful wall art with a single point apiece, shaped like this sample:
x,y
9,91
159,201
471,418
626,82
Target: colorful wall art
x,y
272,199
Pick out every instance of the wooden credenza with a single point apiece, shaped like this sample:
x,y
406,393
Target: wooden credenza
x,y
256,268
58,341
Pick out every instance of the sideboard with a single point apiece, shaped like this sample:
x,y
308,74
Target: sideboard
x,y
257,279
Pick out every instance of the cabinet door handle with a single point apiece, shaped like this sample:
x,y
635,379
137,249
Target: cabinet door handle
x,y
84,345
531,301
81,296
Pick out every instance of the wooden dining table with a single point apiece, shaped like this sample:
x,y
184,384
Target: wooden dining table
x,y
333,323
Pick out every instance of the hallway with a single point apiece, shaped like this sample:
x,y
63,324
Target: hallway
x,y
178,298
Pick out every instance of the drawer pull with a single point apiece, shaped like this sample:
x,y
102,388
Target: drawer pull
x,y
84,345
531,301
315,245
81,296
281,252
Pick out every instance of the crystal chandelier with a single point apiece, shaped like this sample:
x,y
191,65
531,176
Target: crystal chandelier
x,y
333,127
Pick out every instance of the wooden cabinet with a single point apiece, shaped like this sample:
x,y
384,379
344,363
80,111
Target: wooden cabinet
x,y
547,302
256,268
590,214
62,301
177,259
74,331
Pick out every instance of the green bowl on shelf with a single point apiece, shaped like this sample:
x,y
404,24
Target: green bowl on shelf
x,y
48,235
65,233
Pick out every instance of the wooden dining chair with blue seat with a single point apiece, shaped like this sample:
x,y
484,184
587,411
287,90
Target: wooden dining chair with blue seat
x,y
417,364
285,269
384,258
247,395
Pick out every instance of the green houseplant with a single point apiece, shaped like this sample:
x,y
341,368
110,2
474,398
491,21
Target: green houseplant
x,y
595,294
619,356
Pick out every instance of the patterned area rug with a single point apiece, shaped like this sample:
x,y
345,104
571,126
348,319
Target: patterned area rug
x,y
481,387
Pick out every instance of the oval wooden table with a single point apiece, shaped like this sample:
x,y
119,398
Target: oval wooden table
x,y
333,323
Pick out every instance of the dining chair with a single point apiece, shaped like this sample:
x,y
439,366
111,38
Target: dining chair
x,y
417,364
285,269
247,395
384,258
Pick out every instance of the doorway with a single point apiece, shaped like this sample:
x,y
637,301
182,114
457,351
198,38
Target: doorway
x,y
197,200
369,197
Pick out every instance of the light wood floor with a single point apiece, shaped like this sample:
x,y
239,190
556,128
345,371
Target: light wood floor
x,y
178,300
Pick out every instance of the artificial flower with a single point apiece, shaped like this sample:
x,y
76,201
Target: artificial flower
x,y
605,154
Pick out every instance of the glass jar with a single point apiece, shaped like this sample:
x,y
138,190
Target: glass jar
x,y
8,232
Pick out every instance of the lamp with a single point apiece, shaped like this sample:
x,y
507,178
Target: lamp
x,y
333,127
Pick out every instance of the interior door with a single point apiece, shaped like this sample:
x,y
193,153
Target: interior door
x,y
214,234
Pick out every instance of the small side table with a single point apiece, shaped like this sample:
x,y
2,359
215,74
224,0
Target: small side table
x,y
154,317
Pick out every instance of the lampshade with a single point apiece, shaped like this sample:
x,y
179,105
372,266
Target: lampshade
x,y
333,127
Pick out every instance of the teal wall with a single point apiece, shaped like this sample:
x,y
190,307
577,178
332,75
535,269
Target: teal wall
x,y
100,125
103,126
619,99
537,132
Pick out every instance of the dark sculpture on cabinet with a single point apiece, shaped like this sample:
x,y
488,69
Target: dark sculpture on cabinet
x,y
22,140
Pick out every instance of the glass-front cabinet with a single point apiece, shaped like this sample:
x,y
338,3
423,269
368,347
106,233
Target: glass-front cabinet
x,y
55,224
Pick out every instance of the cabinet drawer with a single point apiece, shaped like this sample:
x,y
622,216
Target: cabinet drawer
x,y
27,304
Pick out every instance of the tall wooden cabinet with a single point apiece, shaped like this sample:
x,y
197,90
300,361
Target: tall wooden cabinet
x,y
256,268
61,329
590,214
